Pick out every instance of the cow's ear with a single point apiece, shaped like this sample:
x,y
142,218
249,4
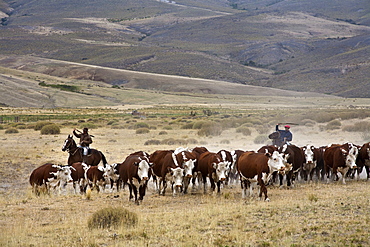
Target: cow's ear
x,y
344,151
268,154
214,165
136,163
170,170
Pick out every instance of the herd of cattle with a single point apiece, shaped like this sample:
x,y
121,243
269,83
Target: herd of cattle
x,y
197,166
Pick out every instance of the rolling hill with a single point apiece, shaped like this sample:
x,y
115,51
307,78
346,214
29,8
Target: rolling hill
x,y
305,46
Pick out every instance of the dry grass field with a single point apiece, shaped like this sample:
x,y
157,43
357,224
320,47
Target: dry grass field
x,y
310,214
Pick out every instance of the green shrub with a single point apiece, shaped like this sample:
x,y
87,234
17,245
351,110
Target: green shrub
x,y
142,131
167,127
50,129
112,218
141,125
244,130
41,124
333,124
261,139
1,127
11,131
162,132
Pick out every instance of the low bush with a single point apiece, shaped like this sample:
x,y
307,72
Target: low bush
x,y
244,130
199,124
142,131
50,129
141,125
41,124
152,142
363,126
11,131
188,126
210,129
333,124
112,218
163,132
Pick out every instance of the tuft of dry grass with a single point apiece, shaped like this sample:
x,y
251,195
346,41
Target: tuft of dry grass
x,y
112,217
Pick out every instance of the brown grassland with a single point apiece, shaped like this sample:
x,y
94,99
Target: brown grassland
x,y
309,214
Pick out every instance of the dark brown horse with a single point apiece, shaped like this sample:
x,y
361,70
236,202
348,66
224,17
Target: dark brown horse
x,y
75,153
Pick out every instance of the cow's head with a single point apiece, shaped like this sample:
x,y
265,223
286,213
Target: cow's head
x,y
177,175
110,171
188,168
276,161
221,169
143,169
310,159
350,156
63,174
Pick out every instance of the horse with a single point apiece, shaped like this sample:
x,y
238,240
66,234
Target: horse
x,y
75,153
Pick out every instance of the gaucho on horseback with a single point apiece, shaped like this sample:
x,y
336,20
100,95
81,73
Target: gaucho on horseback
x,y
85,140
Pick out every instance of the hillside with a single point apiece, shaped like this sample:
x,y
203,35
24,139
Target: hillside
x,y
38,82
306,46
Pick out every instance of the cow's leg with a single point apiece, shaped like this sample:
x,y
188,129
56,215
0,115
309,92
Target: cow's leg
x,y
212,181
164,186
243,184
344,172
218,186
263,188
204,178
186,184
130,189
134,188
281,179
367,172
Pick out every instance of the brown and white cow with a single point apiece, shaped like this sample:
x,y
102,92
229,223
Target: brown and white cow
x,y
50,175
311,155
227,158
135,172
94,176
111,174
340,158
257,168
211,165
167,168
294,161
186,160
197,151
78,176
363,159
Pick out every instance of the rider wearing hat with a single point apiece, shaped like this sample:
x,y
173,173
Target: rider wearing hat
x,y
285,135
85,139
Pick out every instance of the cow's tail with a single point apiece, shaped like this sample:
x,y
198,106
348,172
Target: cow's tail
x,y
104,160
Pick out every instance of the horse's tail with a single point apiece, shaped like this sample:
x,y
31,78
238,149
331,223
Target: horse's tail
x,y
103,159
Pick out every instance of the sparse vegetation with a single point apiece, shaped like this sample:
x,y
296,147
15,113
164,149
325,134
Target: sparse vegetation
x,y
11,131
112,218
50,129
213,211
